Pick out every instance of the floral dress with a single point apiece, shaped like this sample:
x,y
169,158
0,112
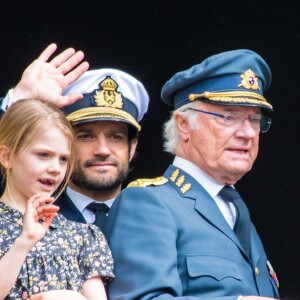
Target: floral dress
x,y
68,254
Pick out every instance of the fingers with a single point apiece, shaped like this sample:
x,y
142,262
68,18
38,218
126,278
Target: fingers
x,y
71,62
41,207
33,202
45,55
46,213
44,209
66,61
77,72
38,200
68,99
62,57
47,209
47,222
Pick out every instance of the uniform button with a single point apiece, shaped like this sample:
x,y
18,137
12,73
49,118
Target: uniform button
x,y
256,271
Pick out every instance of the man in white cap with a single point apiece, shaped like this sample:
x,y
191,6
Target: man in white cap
x,y
106,126
105,121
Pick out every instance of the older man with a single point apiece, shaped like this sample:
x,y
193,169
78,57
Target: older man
x,y
188,234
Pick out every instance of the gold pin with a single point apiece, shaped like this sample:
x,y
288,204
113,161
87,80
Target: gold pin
x,y
108,96
249,81
185,188
180,180
174,175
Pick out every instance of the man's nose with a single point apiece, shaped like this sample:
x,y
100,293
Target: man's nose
x,y
101,147
247,128
55,166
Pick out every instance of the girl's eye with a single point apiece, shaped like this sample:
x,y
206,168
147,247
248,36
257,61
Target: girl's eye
x,y
43,154
64,159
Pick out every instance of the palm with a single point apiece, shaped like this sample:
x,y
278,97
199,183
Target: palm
x,y
46,80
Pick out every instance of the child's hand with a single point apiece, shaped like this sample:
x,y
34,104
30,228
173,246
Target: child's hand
x,y
37,218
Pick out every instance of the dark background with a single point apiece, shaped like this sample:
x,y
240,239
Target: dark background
x,y
152,40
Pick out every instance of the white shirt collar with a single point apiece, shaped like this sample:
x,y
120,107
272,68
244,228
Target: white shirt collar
x,y
82,201
208,183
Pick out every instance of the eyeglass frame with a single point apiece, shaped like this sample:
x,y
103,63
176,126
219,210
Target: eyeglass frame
x,y
268,120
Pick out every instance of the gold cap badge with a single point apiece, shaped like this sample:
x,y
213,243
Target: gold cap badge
x,y
249,81
108,97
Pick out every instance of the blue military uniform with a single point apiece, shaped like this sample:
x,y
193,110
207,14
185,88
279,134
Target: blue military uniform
x,y
168,236
175,220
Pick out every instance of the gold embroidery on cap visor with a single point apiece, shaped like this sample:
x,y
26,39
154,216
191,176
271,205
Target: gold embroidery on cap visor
x,y
234,98
99,113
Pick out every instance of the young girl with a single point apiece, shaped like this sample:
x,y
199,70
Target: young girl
x,y
43,255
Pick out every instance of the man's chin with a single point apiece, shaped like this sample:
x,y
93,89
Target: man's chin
x,y
100,181
97,185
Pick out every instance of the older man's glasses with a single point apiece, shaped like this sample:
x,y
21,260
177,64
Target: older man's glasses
x,y
259,123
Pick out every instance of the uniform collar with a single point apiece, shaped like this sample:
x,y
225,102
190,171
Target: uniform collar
x,y
207,182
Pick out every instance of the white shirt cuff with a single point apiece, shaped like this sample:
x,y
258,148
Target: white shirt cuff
x,y
7,101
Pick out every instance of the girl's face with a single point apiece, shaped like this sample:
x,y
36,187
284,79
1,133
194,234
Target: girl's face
x,y
40,167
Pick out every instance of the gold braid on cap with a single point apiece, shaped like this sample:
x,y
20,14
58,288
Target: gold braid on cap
x,y
233,97
102,112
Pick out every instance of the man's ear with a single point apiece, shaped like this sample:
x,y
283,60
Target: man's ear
x,y
5,156
182,125
132,148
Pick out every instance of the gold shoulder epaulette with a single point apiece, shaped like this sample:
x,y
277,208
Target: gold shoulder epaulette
x,y
148,181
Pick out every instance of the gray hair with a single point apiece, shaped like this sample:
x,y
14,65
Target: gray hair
x,y
170,134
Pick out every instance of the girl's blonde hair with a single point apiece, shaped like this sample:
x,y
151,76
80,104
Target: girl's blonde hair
x,y
28,118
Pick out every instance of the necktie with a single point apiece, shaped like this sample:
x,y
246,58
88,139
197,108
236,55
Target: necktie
x,y
242,223
100,210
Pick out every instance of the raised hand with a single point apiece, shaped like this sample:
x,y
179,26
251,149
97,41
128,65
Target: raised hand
x,y
46,80
37,208
37,218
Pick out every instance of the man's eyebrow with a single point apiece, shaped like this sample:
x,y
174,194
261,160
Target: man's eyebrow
x,y
76,130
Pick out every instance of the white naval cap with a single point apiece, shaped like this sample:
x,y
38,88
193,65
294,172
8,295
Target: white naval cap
x,y
109,94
